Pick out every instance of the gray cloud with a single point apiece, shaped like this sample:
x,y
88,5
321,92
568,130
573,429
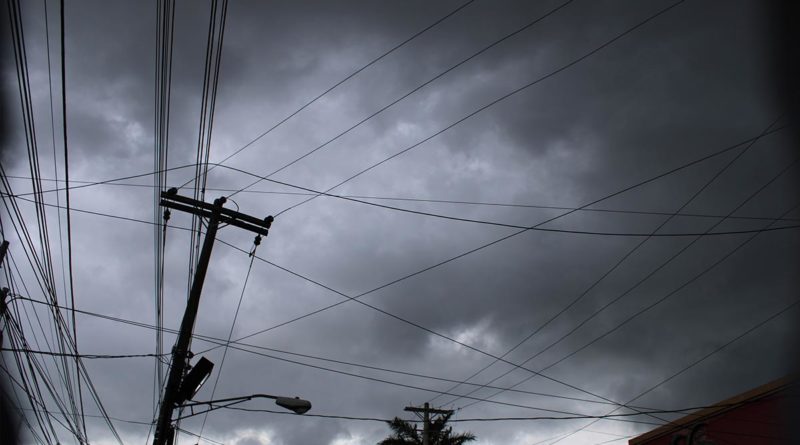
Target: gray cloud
x,y
687,84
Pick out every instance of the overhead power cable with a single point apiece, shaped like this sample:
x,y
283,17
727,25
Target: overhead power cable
x,y
165,35
239,347
111,181
256,243
433,200
215,37
44,262
531,228
87,356
53,139
30,372
585,207
206,439
403,320
489,244
497,419
244,348
650,274
133,422
628,254
414,90
69,218
12,208
494,102
337,84
691,365
406,321
659,301
537,227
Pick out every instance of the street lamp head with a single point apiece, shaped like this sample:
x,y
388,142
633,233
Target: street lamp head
x,y
195,379
296,404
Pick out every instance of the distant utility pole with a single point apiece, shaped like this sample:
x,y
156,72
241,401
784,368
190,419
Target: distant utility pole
x,y
426,411
216,214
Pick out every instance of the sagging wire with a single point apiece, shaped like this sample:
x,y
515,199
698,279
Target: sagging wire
x,y
252,255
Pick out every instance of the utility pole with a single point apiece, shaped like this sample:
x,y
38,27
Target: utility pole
x,y
216,214
3,295
3,292
426,411
3,250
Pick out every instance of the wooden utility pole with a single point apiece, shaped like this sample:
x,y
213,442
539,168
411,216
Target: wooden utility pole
x,y
3,295
426,411
3,292
216,214
3,250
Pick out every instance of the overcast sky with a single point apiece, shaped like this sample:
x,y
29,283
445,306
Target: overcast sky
x,y
607,104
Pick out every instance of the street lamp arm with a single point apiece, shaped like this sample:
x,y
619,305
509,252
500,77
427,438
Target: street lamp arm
x,y
211,408
295,404
229,399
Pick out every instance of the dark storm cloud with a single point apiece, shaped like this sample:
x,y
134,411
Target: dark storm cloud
x,y
687,84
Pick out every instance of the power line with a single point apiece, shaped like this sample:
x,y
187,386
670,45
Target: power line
x,y
704,358
430,200
498,100
47,290
110,181
425,200
657,302
493,419
198,436
69,218
53,138
233,325
535,228
165,34
609,416
350,76
45,266
87,356
489,244
416,325
630,252
573,353
429,81
243,347
645,309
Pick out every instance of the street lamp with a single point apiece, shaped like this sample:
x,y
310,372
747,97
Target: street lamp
x,y
294,404
194,380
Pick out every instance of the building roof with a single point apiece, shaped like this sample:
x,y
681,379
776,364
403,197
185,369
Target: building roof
x,y
717,409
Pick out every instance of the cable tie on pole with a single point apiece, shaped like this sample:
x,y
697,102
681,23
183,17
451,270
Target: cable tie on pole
x,y
167,214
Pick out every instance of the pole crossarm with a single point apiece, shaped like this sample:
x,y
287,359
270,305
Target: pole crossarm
x,y
172,200
425,412
415,409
